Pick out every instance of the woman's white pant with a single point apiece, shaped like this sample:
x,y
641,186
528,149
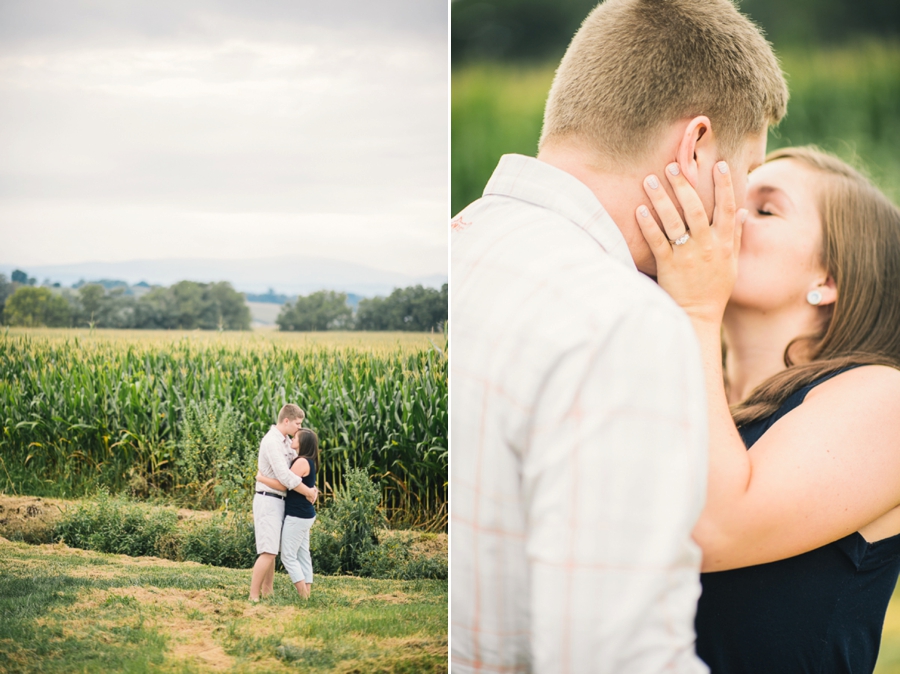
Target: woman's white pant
x,y
295,548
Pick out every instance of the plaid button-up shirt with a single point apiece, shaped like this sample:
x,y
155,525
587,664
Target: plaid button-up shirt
x,y
578,441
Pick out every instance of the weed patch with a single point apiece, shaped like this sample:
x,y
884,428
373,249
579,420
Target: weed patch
x,y
348,536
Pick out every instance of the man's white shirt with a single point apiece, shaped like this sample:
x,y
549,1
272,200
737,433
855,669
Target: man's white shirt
x,y
275,455
578,441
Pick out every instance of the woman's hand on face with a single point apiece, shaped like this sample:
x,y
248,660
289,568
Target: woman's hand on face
x,y
698,271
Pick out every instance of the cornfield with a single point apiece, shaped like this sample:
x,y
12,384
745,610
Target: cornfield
x,y
82,411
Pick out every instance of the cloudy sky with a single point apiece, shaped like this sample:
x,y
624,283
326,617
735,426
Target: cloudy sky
x,y
224,129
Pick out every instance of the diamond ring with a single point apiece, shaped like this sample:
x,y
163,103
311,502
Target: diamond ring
x,y
683,239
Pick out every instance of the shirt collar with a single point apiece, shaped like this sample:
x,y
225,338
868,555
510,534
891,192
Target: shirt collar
x,y
537,182
279,433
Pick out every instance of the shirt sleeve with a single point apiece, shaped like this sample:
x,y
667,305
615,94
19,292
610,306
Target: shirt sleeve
x,y
279,465
614,479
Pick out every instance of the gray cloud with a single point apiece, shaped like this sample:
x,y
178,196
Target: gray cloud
x,y
130,122
64,22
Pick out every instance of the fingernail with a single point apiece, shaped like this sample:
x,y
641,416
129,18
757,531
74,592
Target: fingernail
x,y
653,182
723,167
673,169
644,212
744,216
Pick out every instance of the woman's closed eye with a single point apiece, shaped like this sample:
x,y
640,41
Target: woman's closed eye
x,y
766,209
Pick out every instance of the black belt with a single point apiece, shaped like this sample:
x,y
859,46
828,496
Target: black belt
x,y
268,493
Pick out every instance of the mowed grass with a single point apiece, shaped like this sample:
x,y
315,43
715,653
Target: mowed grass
x,y
67,610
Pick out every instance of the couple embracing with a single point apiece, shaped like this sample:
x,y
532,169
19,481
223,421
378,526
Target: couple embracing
x,y
283,510
676,374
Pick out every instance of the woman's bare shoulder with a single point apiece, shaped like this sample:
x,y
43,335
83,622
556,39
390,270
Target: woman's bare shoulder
x,y
300,467
867,380
872,388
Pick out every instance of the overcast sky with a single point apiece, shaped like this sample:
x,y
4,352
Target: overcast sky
x,y
224,129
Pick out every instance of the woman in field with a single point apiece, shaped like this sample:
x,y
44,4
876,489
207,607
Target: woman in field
x,y
299,512
800,540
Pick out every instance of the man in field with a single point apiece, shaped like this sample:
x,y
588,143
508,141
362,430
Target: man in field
x,y
275,455
579,425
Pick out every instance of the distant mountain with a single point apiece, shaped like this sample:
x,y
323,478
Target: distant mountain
x,y
288,275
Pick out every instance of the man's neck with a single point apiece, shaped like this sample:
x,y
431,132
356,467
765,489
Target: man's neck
x,y
620,193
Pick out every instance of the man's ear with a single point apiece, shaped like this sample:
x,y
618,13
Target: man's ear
x,y
697,149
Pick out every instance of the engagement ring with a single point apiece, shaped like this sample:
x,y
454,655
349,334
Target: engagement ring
x,y
681,240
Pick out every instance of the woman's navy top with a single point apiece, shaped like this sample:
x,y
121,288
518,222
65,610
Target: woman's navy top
x,y
296,505
819,612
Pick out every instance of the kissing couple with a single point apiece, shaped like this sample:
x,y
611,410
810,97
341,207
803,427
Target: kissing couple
x,y
283,510
675,428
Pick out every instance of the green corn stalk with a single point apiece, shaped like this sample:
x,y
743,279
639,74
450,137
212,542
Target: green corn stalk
x,y
82,411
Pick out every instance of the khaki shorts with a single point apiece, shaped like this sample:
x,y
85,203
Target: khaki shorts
x,y
268,515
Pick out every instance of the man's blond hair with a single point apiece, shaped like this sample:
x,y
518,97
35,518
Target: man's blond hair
x,y
291,411
636,66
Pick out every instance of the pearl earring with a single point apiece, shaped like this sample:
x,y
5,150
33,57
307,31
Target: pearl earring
x,y
814,297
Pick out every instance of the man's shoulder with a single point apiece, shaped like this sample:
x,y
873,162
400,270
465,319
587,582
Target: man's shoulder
x,y
270,436
497,209
506,238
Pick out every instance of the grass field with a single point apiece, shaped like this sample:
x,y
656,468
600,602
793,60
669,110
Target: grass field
x,y
845,99
66,610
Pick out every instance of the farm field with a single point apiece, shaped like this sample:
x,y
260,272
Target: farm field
x,y
67,610
177,416
379,342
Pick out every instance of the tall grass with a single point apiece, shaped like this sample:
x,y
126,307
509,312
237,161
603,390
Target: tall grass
x,y
846,100
495,109
81,411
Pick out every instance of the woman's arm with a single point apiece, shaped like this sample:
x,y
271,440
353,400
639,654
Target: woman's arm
x,y
823,471
826,469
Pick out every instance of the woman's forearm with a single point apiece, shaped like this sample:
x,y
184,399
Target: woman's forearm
x,y
729,464
303,489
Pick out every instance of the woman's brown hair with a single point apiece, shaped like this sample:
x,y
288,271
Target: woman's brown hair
x,y
861,252
309,446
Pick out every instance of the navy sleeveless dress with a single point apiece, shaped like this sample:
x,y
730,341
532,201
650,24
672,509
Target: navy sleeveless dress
x,y
821,612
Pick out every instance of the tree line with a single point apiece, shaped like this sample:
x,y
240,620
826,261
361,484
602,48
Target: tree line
x,y
188,305
540,30
414,309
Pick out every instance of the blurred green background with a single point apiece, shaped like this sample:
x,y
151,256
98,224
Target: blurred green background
x,y
841,57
